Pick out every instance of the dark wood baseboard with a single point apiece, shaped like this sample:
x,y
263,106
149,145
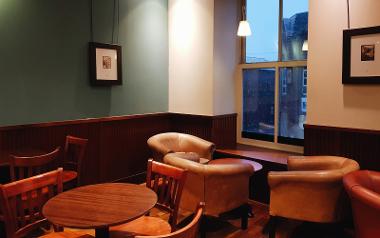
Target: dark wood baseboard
x,y
359,144
117,145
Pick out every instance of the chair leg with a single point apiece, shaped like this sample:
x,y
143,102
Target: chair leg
x,y
272,226
203,226
245,209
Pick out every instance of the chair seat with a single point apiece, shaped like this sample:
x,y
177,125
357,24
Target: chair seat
x,y
67,234
145,225
69,175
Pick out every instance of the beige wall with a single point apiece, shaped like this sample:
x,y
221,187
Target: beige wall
x,y
226,55
191,56
330,102
203,54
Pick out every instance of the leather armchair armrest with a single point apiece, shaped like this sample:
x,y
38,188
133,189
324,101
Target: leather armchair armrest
x,y
366,196
157,146
202,147
296,177
191,166
228,169
209,170
311,163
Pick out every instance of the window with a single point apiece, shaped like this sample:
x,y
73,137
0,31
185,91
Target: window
x,y
258,103
274,78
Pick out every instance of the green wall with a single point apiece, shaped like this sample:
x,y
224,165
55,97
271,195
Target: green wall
x,y
44,59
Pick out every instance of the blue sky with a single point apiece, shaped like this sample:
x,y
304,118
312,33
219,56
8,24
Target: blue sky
x,y
263,18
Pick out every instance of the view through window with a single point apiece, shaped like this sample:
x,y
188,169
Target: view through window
x,y
276,55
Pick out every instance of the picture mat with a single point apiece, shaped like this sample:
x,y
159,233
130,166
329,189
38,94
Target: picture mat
x,y
364,68
106,74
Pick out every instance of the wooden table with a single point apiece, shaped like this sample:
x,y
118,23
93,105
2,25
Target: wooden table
x,y
99,206
256,166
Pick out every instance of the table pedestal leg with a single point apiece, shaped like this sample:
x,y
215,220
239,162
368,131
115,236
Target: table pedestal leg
x,y
102,232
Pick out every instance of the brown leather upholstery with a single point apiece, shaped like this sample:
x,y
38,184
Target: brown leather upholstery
x,y
363,188
221,187
312,189
169,142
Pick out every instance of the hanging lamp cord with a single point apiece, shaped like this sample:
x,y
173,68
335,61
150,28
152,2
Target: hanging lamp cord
x,y
113,19
243,13
118,21
91,21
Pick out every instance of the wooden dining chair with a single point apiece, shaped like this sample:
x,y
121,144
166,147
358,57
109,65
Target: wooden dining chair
x,y
75,148
27,166
167,181
189,231
22,201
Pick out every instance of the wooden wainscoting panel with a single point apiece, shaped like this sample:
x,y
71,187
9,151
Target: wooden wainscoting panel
x,y
219,129
49,137
360,145
117,146
123,149
223,131
197,125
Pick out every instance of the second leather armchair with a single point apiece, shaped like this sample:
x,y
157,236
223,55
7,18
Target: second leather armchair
x,y
221,187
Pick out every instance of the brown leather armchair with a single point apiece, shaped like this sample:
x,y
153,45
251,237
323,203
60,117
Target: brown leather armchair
x,y
222,187
311,190
170,142
363,188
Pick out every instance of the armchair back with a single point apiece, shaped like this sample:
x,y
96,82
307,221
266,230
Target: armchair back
x,y
169,142
312,189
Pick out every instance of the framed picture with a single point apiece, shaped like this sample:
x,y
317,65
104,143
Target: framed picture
x,y
361,56
105,64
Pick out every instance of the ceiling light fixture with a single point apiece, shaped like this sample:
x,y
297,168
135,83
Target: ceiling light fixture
x,y
244,28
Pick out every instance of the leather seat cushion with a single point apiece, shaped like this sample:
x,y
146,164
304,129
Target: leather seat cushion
x,y
192,156
145,226
69,175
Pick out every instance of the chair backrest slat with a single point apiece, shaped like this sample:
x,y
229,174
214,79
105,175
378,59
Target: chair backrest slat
x,y
167,181
168,196
27,166
21,202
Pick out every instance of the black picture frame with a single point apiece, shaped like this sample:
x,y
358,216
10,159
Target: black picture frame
x,y
105,70
360,34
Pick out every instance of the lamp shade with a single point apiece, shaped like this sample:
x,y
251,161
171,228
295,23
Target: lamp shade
x,y
305,46
244,29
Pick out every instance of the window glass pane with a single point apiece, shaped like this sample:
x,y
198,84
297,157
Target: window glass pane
x,y
258,103
294,30
292,104
262,45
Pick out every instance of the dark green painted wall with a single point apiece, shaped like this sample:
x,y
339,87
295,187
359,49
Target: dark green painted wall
x,y
44,59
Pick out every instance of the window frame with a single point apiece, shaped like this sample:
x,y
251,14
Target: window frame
x,y
259,65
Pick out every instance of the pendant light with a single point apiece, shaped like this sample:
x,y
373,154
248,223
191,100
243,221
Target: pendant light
x,y
244,28
305,45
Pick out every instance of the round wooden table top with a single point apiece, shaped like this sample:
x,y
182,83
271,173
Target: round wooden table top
x,y
99,205
256,166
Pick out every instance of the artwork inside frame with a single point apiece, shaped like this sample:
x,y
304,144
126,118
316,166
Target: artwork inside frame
x,y
105,64
361,56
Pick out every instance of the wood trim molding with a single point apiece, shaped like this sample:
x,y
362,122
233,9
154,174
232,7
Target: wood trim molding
x,y
83,121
